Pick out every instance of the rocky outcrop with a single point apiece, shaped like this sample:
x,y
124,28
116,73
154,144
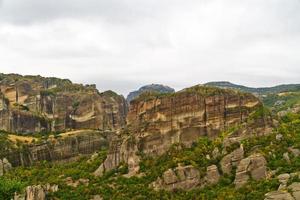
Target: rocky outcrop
x,y
212,175
283,180
5,166
292,192
36,192
231,160
69,145
295,190
121,150
182,177
253,167
186,177
279,195
75,183
149,88
36,104
182,117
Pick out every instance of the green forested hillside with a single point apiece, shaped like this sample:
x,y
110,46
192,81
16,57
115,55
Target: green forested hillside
x,y
113,185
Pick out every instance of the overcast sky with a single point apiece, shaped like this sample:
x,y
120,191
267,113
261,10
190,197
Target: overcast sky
x,y
124,44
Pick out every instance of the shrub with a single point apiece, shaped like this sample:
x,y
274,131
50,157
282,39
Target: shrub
x,y
9,187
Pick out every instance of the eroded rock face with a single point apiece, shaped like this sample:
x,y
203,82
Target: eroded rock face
x,y
37,192
292,192
121,150
231,160
35,104
182,177
212,175
186,177
183,117
68,146
278,195
157,122
253,167
5,166
283,179
295,190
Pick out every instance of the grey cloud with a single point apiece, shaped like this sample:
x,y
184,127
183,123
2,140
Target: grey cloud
x,y
29,11
122,44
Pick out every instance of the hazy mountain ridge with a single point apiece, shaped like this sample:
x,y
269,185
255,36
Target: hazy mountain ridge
x,y
149,88
259,90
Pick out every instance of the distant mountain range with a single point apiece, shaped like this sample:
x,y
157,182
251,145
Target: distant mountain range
x,y
149,88
221,84
259,91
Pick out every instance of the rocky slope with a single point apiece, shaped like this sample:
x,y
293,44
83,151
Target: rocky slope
x,y
37,104
149,88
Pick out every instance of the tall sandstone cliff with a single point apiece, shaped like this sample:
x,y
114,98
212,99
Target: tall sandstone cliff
x,y
66,146
183,117
155,122
35,104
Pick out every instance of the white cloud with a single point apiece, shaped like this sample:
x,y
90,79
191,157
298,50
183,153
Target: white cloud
x,y
123,44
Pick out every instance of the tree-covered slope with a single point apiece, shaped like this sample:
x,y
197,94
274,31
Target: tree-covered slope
x,y
114,185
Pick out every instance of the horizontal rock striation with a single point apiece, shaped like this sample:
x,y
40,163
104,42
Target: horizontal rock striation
x,y
253,167
68,146
160,121
36,104
155,122
121,150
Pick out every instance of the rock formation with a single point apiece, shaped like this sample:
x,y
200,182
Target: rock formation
x,y
253,167
121,150
232,160
156,122
67,146
212,175
279,195
186,177
36,104
5,166
36,192
182,117
291,193
182,177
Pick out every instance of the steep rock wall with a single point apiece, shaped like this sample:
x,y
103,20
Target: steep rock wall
x,y
68,146
34,104
159,122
